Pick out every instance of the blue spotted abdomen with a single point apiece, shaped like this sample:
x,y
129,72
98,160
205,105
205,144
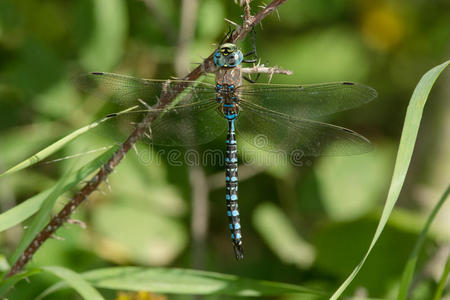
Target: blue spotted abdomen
x,y
231,183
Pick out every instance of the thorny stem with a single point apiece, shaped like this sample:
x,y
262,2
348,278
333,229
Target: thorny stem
x,y
108,167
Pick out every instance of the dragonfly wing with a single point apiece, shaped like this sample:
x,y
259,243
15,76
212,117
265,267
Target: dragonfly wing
x,y
186,125
308,101
126,90
271,131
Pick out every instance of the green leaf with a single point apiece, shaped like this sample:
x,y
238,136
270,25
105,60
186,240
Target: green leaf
x,y
345,191
192,282
40,220
27,208
143,237
281,236
442,282
58,145
408,272
107,37
9,282
43,216
76,281
187,282
50,290
404,154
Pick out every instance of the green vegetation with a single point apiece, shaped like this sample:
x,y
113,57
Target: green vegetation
x,y
367,226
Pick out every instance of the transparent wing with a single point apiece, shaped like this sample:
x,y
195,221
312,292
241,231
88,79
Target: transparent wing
x,y
271,131
193,125
308,101
185,125
126,90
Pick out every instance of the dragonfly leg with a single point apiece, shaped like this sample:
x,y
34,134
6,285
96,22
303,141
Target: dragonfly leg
x,y
253,52
227,35
251,80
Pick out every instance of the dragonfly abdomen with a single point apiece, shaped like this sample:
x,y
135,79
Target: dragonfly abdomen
x,y
231,183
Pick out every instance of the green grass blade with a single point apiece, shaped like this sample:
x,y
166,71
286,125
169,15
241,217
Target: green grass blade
x,y
443,281
411,264
404,154
29,207
52,289
43,215
41,155
191,282
40,219
76,281
9,282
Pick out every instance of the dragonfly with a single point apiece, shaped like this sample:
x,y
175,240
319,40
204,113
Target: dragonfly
x,y
286,115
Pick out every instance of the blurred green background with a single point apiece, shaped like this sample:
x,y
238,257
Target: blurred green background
x,y
306,225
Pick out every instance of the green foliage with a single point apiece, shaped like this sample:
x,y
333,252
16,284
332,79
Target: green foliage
x,y
30,206
412,261
190,282
76,282
404,154
306,225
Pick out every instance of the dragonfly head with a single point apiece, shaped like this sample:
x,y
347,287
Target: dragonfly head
x,y
228,56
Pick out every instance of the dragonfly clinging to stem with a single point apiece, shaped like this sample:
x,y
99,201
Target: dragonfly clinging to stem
x,y
283,114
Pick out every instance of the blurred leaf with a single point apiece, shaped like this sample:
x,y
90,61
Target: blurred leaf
x,y
274,162
443,281
412,260
30,206
296,14
141,182
189,282
138,235
107,37
351,186
28,74
55,146
404,154
210,19
76,281
6,284
41,218
57,102
340,245
280,235
4,265
311,59
50,290
20,141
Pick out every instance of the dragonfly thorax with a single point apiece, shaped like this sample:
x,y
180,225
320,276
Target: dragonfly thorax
x,y
228,99
228,56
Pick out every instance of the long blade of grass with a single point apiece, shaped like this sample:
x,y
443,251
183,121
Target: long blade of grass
x,y
408,272
41,218
404,154
443,281
30,206
44,153
193,282
9,282
76,281
186,282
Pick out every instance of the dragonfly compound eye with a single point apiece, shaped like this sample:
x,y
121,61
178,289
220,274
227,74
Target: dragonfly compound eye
x,y
228,56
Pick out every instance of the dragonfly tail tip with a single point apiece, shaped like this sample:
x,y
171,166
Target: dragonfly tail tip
x,y
239,252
